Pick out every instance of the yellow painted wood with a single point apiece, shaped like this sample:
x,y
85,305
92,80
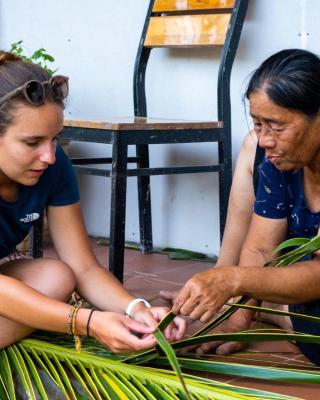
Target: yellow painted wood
x,y
185,5
187,30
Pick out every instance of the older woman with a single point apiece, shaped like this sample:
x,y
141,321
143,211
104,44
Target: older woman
x,y
284,98
35,175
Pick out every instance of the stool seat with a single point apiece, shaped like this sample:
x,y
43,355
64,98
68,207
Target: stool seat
x,y
142,123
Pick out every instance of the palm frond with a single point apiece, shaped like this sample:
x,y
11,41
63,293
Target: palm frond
x,y
168,350
87,376
43,369
248,371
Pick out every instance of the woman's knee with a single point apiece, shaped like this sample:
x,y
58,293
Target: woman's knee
x,y
57,280
51,277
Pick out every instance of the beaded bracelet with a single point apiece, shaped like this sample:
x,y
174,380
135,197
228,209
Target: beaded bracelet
x,y
72,330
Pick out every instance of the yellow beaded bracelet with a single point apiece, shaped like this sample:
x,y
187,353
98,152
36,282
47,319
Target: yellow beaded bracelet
x,y
72,330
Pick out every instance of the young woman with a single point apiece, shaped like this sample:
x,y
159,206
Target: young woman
x,y
35,175
284,98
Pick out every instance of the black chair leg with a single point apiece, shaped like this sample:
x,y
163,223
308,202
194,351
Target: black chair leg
x,y
35,239
144,198
118,208
225,178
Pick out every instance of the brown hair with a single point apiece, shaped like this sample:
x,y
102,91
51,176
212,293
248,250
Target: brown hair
x,y
15,72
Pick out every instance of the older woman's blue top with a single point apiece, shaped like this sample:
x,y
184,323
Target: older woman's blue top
x,y
56,187
280,195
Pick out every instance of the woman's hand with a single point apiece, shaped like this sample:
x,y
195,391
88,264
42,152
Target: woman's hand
x,y
205,293
120,334
153,315
239,321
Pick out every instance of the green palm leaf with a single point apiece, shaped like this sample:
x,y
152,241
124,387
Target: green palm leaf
x,y
6,375
168,350
249,371
3,391
306,247
86,376
45,370
18,362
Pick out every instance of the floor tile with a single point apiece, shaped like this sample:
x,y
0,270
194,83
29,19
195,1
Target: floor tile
x,y
182,274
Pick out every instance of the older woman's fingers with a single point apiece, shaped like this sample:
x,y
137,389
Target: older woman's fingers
x,y
180,300
208,316
208,347
197,312
229,347
168,295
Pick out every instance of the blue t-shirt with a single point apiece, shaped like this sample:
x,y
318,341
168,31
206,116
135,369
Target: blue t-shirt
x,y
56,187
280,195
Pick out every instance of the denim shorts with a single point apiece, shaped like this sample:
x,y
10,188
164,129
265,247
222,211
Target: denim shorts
x,y
16,255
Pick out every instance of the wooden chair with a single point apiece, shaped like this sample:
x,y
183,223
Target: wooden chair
x,y
169,23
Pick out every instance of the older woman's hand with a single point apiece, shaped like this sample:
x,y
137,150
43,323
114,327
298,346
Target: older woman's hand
x,y
205,293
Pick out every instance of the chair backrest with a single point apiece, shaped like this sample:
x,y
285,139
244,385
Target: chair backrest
x,y
191,23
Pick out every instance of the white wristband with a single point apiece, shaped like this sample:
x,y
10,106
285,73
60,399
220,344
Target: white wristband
x,y
133,303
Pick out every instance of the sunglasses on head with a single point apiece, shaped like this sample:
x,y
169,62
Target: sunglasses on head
x,y
36,92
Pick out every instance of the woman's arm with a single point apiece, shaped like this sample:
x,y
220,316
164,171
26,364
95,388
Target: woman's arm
x,y
240,208
99,287
72,244
21,303
204,294
27,306
240,205
297,283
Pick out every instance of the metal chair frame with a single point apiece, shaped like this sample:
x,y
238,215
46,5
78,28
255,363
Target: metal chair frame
x,y
121,139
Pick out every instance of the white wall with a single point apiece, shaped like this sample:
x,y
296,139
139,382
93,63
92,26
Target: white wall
x,y
94,42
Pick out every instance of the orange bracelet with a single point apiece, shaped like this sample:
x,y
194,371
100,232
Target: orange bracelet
x,y
72,330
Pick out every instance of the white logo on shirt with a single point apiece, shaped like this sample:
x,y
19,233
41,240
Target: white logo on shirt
x,y
30,218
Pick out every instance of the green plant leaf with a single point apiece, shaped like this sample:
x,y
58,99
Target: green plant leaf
x,y
108,374
86,375
249,371
34,372
183,254
169,352
304,250
247,336
276,312
290,243
39,56
6,373
19,365
3,390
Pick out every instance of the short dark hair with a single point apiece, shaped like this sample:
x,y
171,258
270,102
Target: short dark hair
x,y
291,79
14,72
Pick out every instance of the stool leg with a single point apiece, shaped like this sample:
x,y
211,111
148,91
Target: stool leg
x,y
225,178
144,198
118,207
35,239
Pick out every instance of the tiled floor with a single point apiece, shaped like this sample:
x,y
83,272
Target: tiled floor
x,y
146,274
